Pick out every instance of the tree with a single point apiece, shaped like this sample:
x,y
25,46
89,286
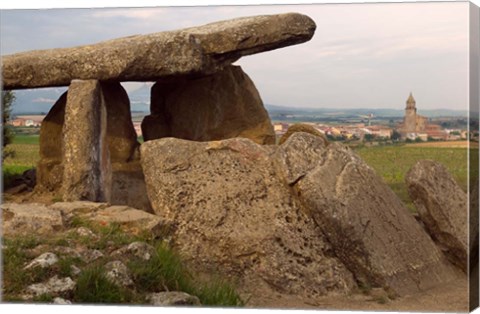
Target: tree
x,y
369,137
8,97
396,135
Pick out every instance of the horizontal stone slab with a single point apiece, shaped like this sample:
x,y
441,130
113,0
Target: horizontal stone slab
x,y
192,51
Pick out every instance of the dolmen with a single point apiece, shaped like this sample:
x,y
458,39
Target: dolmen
x,y
306,217
88,145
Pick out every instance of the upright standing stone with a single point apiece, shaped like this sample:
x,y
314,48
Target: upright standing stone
x,y
215,107
87,172
50,166
443,208
121,135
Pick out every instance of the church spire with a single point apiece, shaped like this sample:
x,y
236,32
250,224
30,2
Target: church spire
x,y
411,102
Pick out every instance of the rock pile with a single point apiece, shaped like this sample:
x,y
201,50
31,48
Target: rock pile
x,y
304,217
61,255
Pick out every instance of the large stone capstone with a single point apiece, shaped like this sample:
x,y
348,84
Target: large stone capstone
x,y
302,216
193,51
219,106
442,206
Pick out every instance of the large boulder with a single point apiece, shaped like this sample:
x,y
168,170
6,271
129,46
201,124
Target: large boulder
x,y
86,160
372,232
442,206
302,216
193,51
223,105
232,214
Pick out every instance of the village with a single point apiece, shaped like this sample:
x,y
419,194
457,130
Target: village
x,y
413,128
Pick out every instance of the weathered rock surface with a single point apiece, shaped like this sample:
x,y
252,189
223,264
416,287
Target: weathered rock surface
x,y
86,162
54,286
121,135
193,51
220,106
50,165
43,261
232,214
442,206
139,249
118,273
128,185
37,218
303,217
474,224
172,298
25,219
61,301
301,127
370,229
127,182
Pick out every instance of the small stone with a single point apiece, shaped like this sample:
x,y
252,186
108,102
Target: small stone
x,y
172,298
139,249
117,272
85,232
92,255
61,301
45,260
74,270
53,286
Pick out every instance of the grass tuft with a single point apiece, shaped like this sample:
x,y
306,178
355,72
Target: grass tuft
x,y
94,287
218,293
163,272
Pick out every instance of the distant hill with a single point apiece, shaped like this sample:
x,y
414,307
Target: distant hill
x,y
42,99
278,111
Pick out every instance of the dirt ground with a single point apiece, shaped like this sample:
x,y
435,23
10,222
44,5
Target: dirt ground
x,y
449,144
448,298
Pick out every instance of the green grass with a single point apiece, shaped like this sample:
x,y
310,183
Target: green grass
x,y
164,271
218,292
25,156
393,162
26,139
94,287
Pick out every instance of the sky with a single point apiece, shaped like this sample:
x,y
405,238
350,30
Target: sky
x,y
361,56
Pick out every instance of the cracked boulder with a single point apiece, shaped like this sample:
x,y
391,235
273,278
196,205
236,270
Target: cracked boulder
x,y
371,231
232,214
443,207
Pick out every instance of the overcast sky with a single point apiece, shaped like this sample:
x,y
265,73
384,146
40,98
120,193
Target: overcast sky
x,y
361,56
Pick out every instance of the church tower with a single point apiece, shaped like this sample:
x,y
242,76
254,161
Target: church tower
x,y
410,119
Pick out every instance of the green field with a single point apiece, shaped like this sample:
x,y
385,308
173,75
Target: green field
x,y
393,162
26,156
